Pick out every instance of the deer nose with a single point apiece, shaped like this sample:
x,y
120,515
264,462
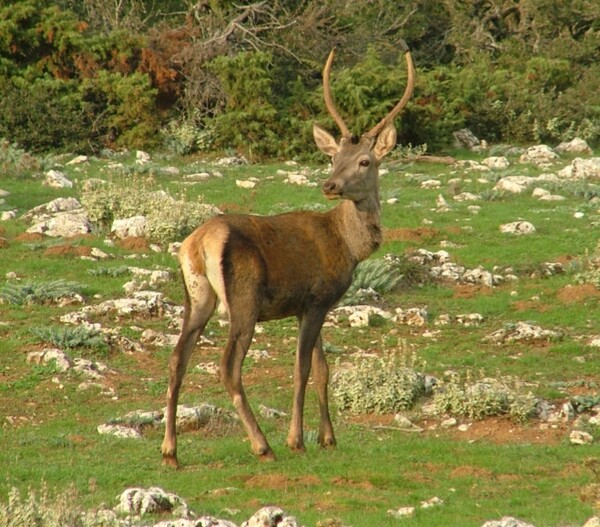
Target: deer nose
x,y
332,187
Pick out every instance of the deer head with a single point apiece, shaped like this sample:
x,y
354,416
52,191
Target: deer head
x,y
356,160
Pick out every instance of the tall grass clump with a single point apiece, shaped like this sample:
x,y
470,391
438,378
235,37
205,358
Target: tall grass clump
x,y
41,509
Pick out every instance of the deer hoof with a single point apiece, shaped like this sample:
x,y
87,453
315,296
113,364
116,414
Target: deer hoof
x,y
170,460
266,455
327,442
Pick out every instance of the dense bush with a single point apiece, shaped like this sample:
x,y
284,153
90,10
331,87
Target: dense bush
x,y
247,77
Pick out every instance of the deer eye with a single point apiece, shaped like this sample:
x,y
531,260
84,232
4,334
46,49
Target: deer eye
x,y
364,163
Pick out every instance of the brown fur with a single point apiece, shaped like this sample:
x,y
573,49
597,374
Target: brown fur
x,y
268,267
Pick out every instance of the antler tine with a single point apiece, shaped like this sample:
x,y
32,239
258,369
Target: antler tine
x,y
410,84
329,100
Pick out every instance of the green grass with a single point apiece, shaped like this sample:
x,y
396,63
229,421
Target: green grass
x,y
51,431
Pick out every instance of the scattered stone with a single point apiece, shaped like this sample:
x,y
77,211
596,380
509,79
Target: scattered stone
x,y
514,184
196,417
141,157
575,146
56,179
441,204
156,338
496,162
578,437
119,431
63,225
470,319
212,368
231,161
134,227
582,169
433,502
466,196
8,215
245,183
402,512
257,355
139,501
507,521
521,332
539,156
466,139
593,522
270,413
449,423
271,517
431,183
299,179
198,176
78,160
518,228
415,316
358,316
46,356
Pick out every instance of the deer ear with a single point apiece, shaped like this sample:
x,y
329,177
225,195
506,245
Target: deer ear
x,y
325,141
386,140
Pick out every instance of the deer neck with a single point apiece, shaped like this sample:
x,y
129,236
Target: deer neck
x,y
359,226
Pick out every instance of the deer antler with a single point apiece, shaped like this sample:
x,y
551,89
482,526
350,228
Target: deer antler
x,y
407,94
329,100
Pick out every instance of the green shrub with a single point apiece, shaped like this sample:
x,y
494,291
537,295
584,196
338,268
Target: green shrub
x,y
249,121
38,293
380,276
43,114
168,219
125,109
70,337
378,384
483,398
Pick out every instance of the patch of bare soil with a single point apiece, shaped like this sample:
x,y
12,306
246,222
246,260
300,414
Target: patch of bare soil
x,y
530,305
134,243
577,293
3,242
410,235
279,481
344,482
27,237
68,250
471,290
502,431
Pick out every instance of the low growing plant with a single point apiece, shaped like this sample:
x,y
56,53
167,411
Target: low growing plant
x,y
379,276
484,398
70,337
38,293
168,218
380,385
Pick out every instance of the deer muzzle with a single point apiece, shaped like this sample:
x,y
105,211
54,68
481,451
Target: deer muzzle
x,y
332,189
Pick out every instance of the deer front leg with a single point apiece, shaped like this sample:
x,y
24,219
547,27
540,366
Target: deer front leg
x,y
231,376
310,327
320,370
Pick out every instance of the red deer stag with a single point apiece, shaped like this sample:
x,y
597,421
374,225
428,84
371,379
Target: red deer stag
x,y
296,264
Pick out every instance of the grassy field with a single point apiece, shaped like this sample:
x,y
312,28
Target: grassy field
x,y
495,467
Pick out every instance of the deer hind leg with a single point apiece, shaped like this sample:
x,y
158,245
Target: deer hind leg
x,y
310,328
199,306
240,337
320,370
